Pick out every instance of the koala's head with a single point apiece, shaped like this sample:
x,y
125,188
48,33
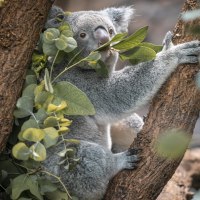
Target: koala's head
x,y
94,28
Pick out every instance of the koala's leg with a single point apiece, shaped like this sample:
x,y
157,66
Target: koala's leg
x,y
97,165
124,132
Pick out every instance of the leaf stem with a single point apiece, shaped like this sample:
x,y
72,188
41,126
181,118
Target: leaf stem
x,y
66,69
53,63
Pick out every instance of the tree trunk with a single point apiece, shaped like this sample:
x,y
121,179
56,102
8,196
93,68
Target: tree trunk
x,y
21,21
176,105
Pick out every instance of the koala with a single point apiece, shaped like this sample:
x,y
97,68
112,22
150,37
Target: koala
x,y
115,98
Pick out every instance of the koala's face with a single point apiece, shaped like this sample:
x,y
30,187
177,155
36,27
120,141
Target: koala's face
x,y
91,30
94,28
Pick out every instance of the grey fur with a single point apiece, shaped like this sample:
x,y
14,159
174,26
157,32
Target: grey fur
x,y
114,98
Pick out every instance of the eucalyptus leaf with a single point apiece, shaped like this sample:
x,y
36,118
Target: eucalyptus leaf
x,y
31,123
49,49
51,137
29,91
24,107
50,35
156,48
61,44
24,182
33,134
51,121
38,152
20,151
78,102
46,186
138,55
31,79
93,57
71,43
57,195
47,82
133,40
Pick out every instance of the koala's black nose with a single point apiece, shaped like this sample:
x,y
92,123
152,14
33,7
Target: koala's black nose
x,y
101,35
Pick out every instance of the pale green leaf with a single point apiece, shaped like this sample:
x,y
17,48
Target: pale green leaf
x,y
29,91
78,102
24,107
31,123
51,137
156,48
93,57
49,49
33,134
61,44
71,43
51,121
38,152
47,82
20,151
31,79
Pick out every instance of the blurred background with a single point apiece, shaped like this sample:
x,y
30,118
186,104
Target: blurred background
x,y
160,15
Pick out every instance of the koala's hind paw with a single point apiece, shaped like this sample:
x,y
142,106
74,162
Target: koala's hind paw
x,y
132,158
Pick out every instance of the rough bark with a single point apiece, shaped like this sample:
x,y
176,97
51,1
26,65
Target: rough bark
x,y
185,181
20,24
176,105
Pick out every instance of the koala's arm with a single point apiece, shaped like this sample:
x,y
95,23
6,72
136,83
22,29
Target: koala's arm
x,y
127,89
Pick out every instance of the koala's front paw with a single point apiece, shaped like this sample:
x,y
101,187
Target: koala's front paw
x,y
132,158
187,52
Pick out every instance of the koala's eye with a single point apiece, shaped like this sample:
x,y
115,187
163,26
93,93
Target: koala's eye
x,y
60,17
82,35
111,31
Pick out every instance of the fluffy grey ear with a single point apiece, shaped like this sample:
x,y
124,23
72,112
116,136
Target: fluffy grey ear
x,y
120,17
55,17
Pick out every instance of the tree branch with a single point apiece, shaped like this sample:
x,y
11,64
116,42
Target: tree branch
x,y
21,21
176,105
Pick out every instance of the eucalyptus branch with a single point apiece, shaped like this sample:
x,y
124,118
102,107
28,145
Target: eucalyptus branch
x,y
53,63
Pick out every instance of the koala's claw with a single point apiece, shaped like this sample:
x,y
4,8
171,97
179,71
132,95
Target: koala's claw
x,y
131,158
167,41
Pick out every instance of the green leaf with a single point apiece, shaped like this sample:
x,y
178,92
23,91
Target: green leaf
x,y
67,33
71,43
116,38
24,107
51,121
49,49
29,91
40,116
51,137
50,35
47,82
46,186
138,55
78,102
156,48
172,144
61,44
133,40
33,134
38,152
41,97
93,57
57,195
24,182
31,79
20,151
31,123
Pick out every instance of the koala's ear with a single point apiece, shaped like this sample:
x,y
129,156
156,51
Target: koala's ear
x,y
55,17
120,17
